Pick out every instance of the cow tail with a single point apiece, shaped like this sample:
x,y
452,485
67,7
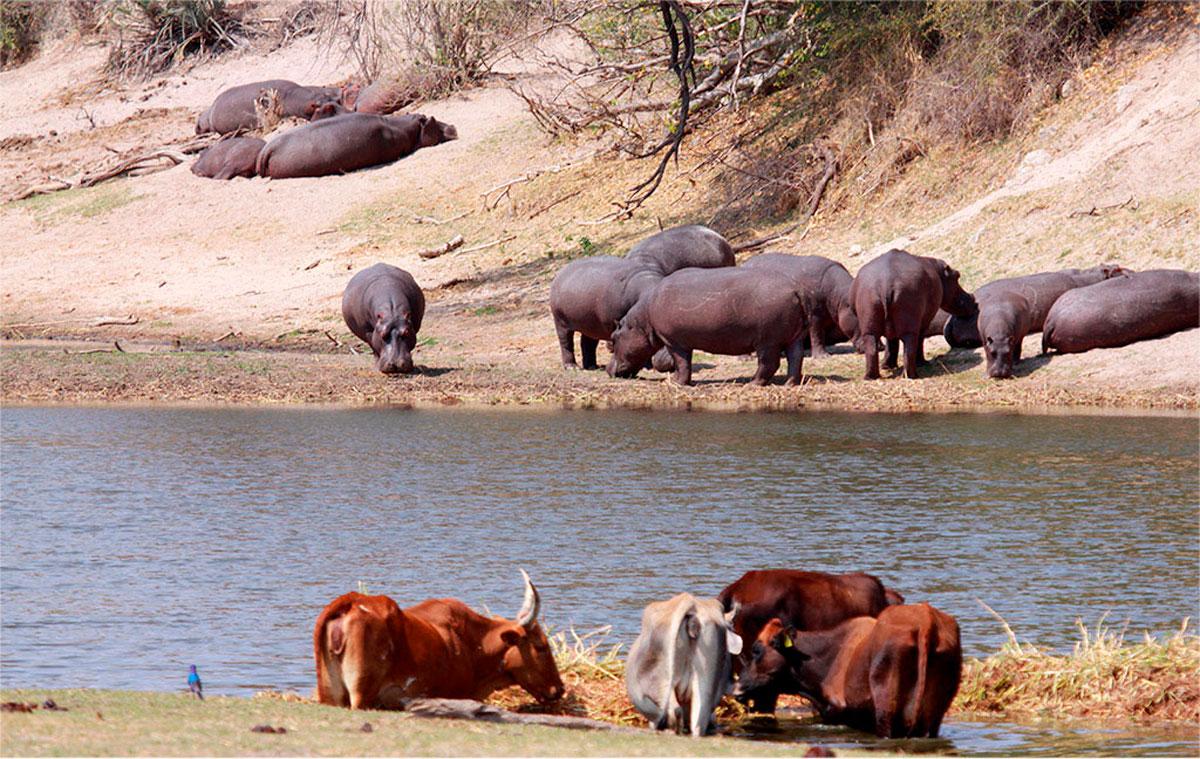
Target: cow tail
x,y
914,709
674,664
321,654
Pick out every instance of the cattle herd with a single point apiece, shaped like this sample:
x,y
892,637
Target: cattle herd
x,y
854,648
350,128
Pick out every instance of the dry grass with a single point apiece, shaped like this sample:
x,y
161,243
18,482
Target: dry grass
x,y
150,36
1106,676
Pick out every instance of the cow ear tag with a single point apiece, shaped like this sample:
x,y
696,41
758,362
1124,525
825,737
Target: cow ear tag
x,y
787,641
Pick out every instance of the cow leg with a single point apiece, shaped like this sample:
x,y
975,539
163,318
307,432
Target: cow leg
x,y
683,365
768,364
892,355
871,351
566,343
795,357
885,694
587,349
912,354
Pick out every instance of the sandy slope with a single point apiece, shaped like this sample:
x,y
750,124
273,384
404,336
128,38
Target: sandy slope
x,y
196,259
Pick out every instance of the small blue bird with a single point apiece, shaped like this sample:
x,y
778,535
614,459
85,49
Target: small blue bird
x,y
194,684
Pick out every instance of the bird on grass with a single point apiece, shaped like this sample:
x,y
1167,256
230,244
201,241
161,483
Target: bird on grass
x,y
194,684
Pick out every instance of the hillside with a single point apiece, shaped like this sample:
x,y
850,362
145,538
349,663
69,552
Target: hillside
x,y
257,266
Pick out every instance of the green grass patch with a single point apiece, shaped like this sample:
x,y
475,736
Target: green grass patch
x,y
81,202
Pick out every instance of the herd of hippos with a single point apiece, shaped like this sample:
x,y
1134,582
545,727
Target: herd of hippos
x,y
854,648
680,291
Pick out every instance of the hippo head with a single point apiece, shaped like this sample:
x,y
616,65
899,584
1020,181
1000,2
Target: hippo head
x,y
348,97
999,352
1114,270
847,322
392,340
955,300
434,132
328,109
771,661
961,332
633,344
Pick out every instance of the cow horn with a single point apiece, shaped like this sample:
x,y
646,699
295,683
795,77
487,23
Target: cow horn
x,y
529,610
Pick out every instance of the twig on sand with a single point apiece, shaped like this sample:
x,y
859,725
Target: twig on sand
x,y
438,222
491,244
1097,210
121,321
452,244
115,349
337,343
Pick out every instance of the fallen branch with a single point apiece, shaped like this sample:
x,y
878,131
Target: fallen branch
x,y
762,242
462,708
831,165
491,244
1097,210
337,343
437,222
106,321
115,349
441,250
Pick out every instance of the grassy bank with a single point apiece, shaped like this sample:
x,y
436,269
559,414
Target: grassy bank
x,y
164,724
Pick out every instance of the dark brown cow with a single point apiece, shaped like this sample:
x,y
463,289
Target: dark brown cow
x,y
804,601
372,654
895,676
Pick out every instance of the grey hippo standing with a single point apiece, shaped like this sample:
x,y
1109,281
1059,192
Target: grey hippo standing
x,y
383,306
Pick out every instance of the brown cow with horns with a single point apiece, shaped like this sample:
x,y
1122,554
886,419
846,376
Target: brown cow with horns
x,y
370,653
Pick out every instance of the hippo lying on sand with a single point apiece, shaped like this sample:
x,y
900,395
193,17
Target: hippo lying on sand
x,y
349,141
383,307
1039,290
1123,310
824,288
895,296
730,311
233,109
234,157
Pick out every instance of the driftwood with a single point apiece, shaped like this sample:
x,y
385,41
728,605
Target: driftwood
x,y
452,244
462,708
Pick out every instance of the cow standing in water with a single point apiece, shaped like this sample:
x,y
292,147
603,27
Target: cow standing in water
x,y
371,654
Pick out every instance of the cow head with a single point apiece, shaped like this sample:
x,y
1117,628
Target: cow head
x,y
526,656
771,660
434,132
393,339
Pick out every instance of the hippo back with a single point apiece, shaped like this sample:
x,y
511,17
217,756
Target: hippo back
x,y
691,246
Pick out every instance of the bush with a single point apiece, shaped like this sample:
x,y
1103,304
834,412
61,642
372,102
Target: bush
x,y
21,24
153,35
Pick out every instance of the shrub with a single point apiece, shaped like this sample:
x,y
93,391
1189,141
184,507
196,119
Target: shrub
x,y
153,35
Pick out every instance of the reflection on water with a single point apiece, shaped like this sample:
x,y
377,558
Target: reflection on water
x,y
137,541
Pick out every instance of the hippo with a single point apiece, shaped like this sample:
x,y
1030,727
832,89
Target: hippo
x,y
1003,323
385,97
329,109
383,307
895,296
233,109
1039,290
590,296
824,288
730,311
229,158
1123,310
349,141
693,245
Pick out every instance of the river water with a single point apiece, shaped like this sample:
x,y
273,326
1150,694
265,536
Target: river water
x,y
136,541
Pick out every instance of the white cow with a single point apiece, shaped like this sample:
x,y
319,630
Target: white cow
x,y
679,667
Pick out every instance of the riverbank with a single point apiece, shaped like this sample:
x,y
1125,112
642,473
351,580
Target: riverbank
x,y
297,369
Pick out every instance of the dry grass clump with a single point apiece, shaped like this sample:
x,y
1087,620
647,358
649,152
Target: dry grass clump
x,y
1104,677
150,36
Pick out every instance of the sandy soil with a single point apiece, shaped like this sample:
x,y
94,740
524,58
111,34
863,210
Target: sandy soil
x,y
234,285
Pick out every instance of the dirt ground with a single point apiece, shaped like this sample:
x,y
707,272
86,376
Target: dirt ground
x,y
230,291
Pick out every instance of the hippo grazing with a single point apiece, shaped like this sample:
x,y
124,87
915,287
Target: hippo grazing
x,y
233,109
824,288
1039,290
347,142
1003,323
383,307
234,157
1123,310
895,296
678,248
590,297
730,311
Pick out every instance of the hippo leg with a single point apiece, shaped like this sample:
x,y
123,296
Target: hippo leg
x,y
1016,354
892,354
683,365
764,704
920,352
587,349
795,357
768,364
912,354
566,342
816,338
871,351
